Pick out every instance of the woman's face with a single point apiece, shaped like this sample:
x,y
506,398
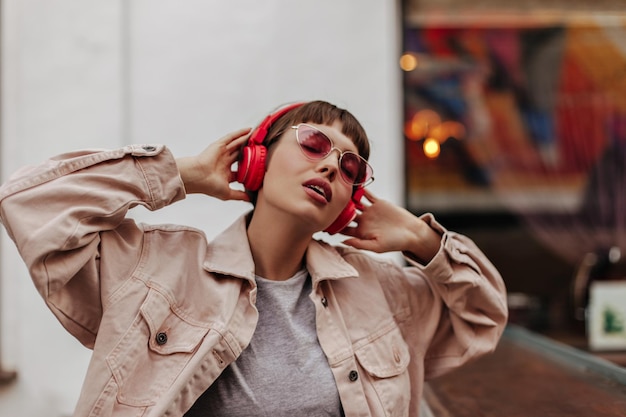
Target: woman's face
x,y
311,190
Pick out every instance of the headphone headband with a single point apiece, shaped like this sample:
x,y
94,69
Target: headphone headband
x,y
259,134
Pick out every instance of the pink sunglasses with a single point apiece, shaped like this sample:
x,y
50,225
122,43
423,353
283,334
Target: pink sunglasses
x,y
315,145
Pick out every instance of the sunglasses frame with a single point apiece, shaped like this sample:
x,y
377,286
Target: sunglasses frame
x,y
369,167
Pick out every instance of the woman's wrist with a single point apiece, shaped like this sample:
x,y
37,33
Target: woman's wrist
x,y
424,241
187,172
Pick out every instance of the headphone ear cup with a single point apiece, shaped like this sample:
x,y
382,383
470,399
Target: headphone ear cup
x,y
251,166
251,169
343,220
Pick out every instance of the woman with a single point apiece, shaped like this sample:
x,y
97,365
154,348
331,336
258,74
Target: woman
x,y
263,320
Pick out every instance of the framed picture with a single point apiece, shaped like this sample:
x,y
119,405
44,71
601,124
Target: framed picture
x,y
506,112
606,321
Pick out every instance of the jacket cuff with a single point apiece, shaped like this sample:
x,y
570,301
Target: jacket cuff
x,y
158,165
451,251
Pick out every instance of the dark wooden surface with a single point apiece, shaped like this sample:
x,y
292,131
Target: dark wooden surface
x,y
530,380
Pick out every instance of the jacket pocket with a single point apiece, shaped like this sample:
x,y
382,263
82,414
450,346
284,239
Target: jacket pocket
x,y
385,361
153,352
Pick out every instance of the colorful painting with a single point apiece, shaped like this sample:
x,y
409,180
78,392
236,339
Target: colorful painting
x,y
511,117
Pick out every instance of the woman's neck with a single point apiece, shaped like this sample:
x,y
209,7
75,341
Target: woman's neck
x,y
278,249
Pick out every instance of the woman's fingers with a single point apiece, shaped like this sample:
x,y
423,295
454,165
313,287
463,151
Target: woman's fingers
x,y
238,195
235,139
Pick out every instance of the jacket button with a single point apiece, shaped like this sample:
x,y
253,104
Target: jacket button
x,y
161,338
149,148
324,301
353,376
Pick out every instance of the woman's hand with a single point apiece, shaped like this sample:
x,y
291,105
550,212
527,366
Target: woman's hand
x,y
385,227
210,171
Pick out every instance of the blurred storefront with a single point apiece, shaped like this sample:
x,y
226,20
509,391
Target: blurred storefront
x,y
515,133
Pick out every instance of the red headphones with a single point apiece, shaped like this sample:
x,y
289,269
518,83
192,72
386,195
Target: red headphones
x,y
251,168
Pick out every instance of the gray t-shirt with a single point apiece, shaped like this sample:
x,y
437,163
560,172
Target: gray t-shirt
x,y
283,372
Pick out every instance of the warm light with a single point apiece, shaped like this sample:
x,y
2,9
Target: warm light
x,y
427,117
416,129
421,124
413,131
408,62
453,129
447,129
439,132
431,148
427,123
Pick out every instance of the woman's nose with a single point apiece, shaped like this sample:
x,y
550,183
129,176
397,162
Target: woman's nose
x,y
330,165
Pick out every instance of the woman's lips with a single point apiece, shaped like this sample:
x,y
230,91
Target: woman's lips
x,y
320,189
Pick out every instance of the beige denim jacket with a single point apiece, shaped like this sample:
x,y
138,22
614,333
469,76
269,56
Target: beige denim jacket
x,y
165,311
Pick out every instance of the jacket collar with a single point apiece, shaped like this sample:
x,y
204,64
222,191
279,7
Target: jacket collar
x,y
229,254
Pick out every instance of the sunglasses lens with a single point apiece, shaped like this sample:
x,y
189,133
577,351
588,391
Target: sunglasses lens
x,y
354,169
313,142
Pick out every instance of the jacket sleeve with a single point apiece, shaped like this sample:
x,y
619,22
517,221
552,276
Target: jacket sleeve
x,y
455,305
58,214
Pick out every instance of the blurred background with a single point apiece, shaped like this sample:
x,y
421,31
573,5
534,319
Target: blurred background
x,y
515,134
508,122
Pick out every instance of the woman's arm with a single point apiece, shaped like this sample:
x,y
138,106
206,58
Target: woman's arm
x,y
62,213
58,212
456,296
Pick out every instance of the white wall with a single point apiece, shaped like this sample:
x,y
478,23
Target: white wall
x,y
82,74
